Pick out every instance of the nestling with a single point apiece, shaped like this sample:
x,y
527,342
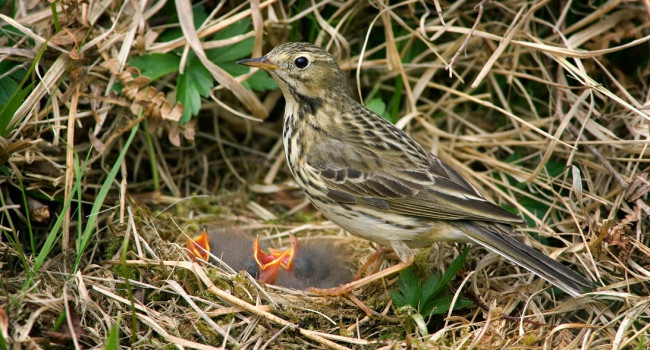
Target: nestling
x,y
315,264
239,251
375,181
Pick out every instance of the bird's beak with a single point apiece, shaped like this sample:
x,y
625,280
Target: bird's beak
x,y
199,246
269,264
289,255
259,62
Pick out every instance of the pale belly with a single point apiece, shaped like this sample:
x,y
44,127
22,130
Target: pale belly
x,y
387,228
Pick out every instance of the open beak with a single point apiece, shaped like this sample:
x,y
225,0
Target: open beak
x,y
288,255
269,264
259,62
199,246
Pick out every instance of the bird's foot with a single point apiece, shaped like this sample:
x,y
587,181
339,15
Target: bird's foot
x,y
349,287
346,289
373,262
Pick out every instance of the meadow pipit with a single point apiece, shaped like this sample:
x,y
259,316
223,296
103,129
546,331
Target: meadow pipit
x,y
375,181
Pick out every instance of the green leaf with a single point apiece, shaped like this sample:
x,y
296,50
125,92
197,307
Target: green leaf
x,y
54,235
515,156
260,81
191,85
8,110
396,100
454,267
9,83
7,86
378,106
409,289
156,65
237,28
554,168
436,284
199,15
197,81
429,291
398,298
233,68
82,241
232,52
442,305
13,35
538,209
226,55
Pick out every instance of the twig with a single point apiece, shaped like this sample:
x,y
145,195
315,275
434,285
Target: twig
x,y
469,35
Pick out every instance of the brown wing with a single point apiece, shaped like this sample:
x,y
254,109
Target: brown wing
x,y
407,180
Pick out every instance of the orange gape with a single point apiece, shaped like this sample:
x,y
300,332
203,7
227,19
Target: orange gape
x,y
267,264
199,246
288,255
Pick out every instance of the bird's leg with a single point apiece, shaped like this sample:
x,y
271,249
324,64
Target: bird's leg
x,y
369,312
372,260
348,287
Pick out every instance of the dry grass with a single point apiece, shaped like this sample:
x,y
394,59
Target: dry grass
x,y
546,111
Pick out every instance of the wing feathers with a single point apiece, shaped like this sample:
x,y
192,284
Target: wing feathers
x,y
401,182
435,198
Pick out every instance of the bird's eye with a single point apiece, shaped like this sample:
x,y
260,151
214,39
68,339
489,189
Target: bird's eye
x,y
301,62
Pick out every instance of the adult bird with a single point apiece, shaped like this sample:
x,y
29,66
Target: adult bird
x,y
375,181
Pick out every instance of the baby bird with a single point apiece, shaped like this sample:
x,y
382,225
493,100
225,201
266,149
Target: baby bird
x,y
315,264
239,251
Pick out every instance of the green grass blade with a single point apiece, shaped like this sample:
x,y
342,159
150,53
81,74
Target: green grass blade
x,y
113,339
101,196
55,232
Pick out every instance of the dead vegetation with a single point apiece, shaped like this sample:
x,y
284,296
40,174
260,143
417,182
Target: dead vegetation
x,y
545,108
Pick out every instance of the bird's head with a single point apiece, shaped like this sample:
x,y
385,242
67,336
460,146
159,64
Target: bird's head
x,y
199,246
264,267
269,264
301,70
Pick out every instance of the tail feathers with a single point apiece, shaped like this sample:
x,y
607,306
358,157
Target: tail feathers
x,y
496,239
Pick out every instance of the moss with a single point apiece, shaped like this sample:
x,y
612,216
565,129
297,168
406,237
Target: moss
x,y
529,339
111,248
126,271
